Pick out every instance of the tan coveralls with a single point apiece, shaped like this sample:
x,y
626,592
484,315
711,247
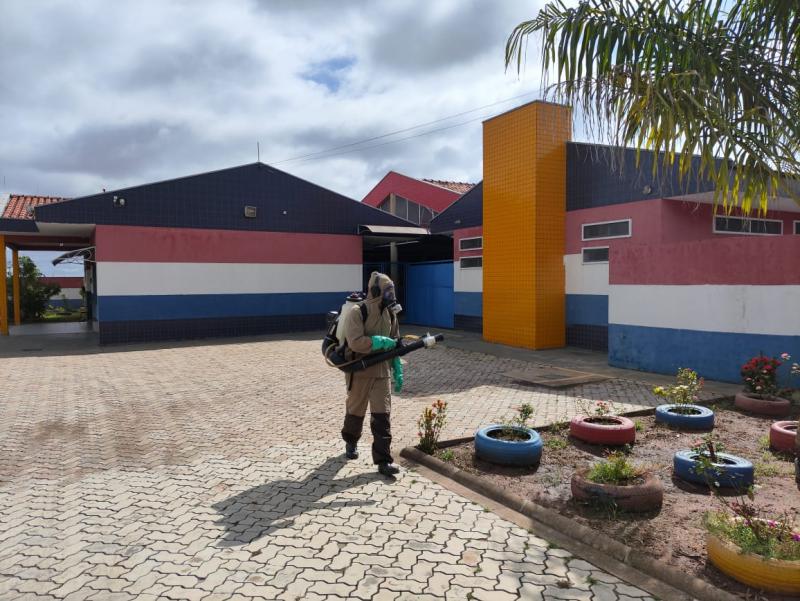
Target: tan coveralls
x,y
371,386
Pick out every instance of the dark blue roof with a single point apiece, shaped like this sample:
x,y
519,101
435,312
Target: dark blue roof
x,y
18,225
284,203
467,211
600,175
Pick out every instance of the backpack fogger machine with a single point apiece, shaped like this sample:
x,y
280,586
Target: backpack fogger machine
x,y
333,348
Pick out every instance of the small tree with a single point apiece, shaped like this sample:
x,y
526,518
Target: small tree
x,y
34,294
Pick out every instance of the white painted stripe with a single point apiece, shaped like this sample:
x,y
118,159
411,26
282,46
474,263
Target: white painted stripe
x,y
713,308
585,279
70,293
115,278
467,280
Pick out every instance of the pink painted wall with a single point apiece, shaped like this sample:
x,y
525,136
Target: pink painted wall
x,y
646,224
428,195
467,232
720,260
660,221
684,220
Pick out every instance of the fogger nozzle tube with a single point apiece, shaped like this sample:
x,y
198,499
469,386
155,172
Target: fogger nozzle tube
x,y
375,358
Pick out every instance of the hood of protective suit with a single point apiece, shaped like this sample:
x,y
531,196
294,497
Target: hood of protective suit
x,y
378,285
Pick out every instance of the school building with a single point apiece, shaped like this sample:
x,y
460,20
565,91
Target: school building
x,y
561,243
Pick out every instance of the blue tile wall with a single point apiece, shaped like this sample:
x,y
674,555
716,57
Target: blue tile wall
x,y
216,200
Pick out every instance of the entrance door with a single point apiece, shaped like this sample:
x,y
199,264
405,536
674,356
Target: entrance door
x,y
429,294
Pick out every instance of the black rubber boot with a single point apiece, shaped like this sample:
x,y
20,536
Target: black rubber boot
x,y
388,469
350,450
381,438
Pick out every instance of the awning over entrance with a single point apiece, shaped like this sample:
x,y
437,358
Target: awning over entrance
x,y
396,230
76,256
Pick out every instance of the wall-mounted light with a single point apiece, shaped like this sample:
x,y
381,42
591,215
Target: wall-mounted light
x,y
647,190
118,201
284,212
250,211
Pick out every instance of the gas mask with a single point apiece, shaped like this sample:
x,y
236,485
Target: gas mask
x,y
389,301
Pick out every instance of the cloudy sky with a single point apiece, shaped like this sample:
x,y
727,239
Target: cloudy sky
x,y
109,94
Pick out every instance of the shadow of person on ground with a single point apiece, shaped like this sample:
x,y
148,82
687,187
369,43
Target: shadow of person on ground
x,y
263,509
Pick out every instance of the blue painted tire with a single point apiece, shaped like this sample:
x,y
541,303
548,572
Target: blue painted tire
x,y
702,419
508,452
731,471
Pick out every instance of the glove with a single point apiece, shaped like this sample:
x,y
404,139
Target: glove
x,y
383,343
397,374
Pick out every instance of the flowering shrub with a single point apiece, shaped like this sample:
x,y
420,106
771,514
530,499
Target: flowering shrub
x,y
686,391
760,375
598,408
430,426
744,526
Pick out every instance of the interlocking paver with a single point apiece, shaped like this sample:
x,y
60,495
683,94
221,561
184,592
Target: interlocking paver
x,y
215,472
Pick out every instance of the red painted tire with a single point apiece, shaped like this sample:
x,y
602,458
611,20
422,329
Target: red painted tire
x,y
647,496
783,436
621,432
763,406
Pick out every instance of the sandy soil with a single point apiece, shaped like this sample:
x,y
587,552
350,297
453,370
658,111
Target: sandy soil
x,y
675,535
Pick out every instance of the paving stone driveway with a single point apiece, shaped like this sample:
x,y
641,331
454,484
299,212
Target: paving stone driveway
x,y
215,472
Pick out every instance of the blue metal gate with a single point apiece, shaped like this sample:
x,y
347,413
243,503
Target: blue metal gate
x,y
429,298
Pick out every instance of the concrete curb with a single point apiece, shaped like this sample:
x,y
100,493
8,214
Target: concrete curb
x,y
569,528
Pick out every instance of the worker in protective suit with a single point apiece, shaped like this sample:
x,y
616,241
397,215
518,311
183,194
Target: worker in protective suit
x,y
365,332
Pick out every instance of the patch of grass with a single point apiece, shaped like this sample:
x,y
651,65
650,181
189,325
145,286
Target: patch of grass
x,y
765,469
477,570
638,425
763,443
556,443
614,470
552,546
413,482
591,581
447,455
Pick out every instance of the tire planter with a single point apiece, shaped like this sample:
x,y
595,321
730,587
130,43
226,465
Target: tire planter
x,y
776,575
730,471
508,452
590,429
647,496
762,405
701,418
783,435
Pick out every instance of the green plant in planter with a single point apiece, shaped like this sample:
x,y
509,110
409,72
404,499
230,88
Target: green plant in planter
x,y
707,448
510,428
685,392
744,524
598,410
616,469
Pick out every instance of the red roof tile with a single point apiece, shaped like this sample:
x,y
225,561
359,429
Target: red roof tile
x,y
460,187
20,205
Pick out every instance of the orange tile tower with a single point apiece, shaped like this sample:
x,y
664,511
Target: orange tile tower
x,y
524,205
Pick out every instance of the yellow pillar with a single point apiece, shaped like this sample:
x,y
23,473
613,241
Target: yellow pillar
x,y
3,290
15,285
524,209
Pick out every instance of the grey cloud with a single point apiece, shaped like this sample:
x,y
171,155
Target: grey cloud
x,y
118,150
204,60
415,40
